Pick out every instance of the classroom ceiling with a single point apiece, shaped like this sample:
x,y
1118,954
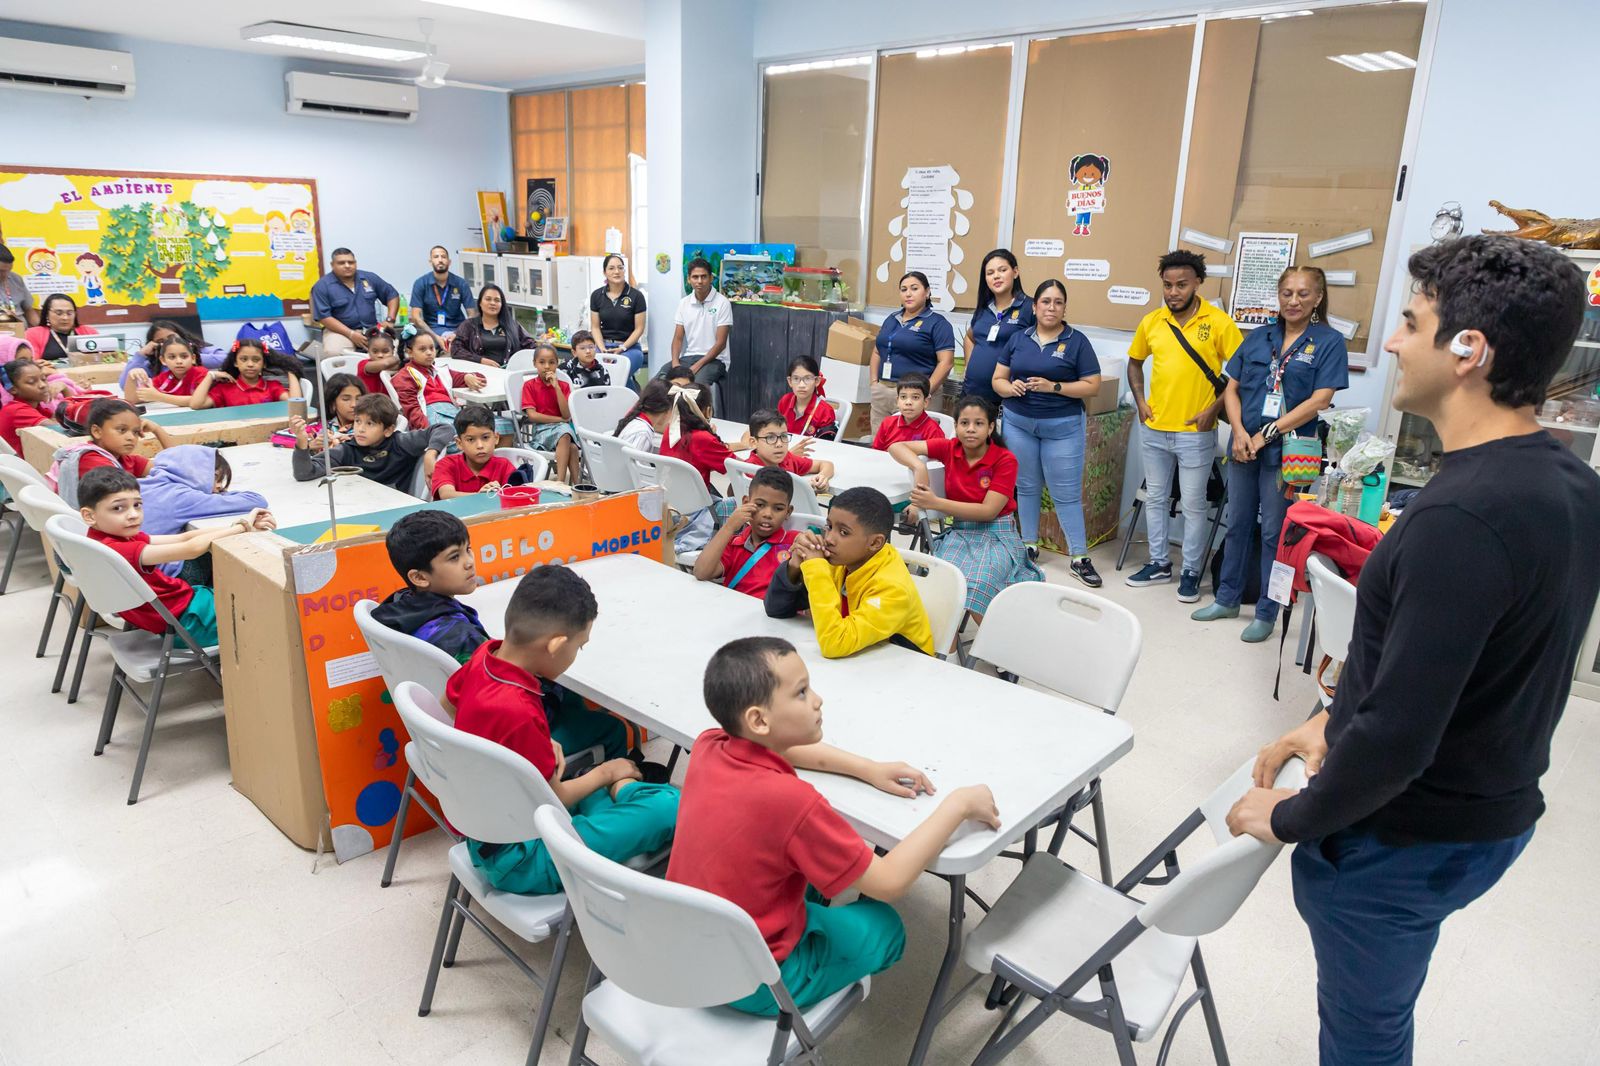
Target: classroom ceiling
x,y
565,37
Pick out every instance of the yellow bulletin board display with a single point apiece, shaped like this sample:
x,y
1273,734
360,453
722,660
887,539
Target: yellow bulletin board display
x,y
129,246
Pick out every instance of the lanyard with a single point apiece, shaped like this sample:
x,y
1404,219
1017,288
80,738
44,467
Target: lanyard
x,y
1276,366
750,564
438,294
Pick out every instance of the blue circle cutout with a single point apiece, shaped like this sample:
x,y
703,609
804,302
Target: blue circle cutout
x,y
378,803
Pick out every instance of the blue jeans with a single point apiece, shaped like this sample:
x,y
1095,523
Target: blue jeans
x,y
1252,486
635,358
1192,452
1374,912
1049,451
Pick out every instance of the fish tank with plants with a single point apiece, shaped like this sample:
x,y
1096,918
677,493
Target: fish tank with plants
x,y
818,287
743,277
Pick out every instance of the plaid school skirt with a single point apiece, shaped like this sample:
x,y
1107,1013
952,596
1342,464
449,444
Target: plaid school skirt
x,y
991,555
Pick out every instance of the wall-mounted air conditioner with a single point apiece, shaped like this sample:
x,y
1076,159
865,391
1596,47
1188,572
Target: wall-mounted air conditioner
x,y
327,96
60,68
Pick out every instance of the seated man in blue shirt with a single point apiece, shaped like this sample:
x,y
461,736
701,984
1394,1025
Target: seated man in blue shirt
x,y
439,298
345,302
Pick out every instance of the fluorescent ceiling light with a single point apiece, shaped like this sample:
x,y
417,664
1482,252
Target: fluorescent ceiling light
x,y
1371,62
320,39
958,49
517,9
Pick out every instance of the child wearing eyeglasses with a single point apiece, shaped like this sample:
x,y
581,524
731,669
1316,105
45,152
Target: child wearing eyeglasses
x,y
804,411
771,438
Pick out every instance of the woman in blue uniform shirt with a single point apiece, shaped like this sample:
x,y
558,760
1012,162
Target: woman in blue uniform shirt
x,y
1003,310
918,340
1045,372
1278,379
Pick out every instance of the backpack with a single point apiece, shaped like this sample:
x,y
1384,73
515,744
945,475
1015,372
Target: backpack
x,y
272,336
72,413
1344,541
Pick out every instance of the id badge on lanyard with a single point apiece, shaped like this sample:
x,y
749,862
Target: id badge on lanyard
x,y
1272,406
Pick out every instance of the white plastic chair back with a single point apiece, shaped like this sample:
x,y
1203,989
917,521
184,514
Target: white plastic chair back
x,y
1207,893
600,407
514,380
936,483
803,498
801,522
486,790
105,578
946,423
739,477
16,474
608,467
38,505
340,364
1068,640
6,449
616,369
943,588
387,377
402,657
1333,600
659,941
842,412
518,456
522,360
686,491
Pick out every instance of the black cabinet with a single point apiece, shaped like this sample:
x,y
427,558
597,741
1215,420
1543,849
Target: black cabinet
x,y
764,338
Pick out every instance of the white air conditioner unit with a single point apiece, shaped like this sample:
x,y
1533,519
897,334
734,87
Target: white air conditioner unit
x,y
326,96
60,68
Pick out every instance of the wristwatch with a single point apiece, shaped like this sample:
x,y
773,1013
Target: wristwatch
x,y
1055,387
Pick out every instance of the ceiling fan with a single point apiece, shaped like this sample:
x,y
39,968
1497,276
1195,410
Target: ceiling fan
x,y
432,74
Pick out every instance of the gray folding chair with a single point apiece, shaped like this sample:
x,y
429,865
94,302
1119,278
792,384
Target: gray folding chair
x,y
38,505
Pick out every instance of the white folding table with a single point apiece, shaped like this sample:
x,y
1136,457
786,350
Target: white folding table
x,y
266,468
853,465
493,392
1035,751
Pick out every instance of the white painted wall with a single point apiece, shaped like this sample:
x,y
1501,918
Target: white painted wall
x,y
387,191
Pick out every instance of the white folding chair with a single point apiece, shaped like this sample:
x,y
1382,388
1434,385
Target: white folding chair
x,y
946,423
1333,605
341,364
386,376
608,467
38,505
1055,931
801,522
804,497
943,588
522,360
600,407
518,456
1074,643
14,474
402,657
616,369
490,793
666,958
842,412
930,523
111,586
686,490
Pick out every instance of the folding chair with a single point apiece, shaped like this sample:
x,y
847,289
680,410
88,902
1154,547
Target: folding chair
x,y
804,498
111,586
943,588
1333,605
1216,484
1074,643
686,490
385,376
518,456
616,369
843,410
600,407
14,474
946,423
1056,929
38,505
602,456
341,364
930,523
522,360
671,956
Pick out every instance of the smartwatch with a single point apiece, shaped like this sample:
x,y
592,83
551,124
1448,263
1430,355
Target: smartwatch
x,y
1055,387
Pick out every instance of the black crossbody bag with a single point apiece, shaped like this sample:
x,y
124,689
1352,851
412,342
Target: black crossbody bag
x,y
1217,384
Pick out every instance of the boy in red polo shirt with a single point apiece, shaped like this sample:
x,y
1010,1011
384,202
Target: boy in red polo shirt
x,y
498,695
770,447
912,422
751,831
752,543
476,468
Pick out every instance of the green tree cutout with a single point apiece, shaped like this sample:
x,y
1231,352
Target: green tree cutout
x,y
137,257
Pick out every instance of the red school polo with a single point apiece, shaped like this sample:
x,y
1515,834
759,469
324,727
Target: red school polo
x,y
995,471
175,593
702,450
821,414
184,386
794,464
236,393
17,416
894,429
370,381
751,831
738,553
542,398
503,703
135,464
454,470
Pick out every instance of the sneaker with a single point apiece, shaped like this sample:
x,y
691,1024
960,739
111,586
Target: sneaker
x,y
1213,611
1084,571
1033,551
1151,574
1188,587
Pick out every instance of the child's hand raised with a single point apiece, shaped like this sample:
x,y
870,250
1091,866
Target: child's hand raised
x,y
899,779
800,446
138,378
819,483
743,514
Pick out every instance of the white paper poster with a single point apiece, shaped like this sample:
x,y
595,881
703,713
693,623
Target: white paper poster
x,y
1260,259
933,216
1087,269
1128,294
1041,248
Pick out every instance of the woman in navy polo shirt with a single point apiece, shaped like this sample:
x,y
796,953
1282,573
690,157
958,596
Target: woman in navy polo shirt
x,y
1278,379
1003,310
1044,373
617,316
917,340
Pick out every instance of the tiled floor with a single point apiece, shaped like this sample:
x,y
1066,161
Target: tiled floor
x,y
186,929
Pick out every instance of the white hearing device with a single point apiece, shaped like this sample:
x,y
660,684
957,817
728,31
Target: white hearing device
x,y
1462,350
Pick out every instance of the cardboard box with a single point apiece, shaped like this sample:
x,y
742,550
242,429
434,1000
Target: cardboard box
x,y
1105,400
15,328
96,373
851,340
847,381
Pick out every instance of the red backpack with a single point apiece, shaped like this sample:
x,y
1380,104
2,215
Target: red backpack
x,y
1309,528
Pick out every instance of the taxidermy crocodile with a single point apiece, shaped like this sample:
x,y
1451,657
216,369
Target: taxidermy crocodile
x,y
1561,232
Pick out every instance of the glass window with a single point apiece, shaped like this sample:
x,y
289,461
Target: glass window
x,y
538,147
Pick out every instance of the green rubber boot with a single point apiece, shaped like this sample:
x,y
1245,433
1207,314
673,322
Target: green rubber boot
x,y
1213,611
1257,631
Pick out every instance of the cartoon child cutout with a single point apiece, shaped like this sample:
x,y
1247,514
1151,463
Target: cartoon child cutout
x,y
300,222
276,224
43,262
89,266
1089,174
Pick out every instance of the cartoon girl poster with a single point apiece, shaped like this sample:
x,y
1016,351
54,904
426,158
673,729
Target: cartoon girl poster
x,y
300,222
1087,195
276,224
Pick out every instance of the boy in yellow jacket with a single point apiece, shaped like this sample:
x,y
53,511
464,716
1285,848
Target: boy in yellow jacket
x,y
852,580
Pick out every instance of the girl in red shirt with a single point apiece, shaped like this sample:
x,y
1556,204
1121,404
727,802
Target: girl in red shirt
x,y
804,410
380,357
175,384
241,380
686,435
24,379
115,431
980,486
547,419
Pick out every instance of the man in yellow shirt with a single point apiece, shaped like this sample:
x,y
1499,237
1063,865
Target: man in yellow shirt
x,y
1187,341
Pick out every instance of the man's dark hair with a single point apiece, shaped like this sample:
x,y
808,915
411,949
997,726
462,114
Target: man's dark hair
x,y
474,414
918,382
776,478
550,600
418,538
696,263
337,252
870,507
5,255
765,417
104,481
1182,257
740,675
379,408
1526,298
441,248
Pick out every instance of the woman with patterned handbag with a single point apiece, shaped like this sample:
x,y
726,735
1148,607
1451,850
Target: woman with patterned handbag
x,y
1278,380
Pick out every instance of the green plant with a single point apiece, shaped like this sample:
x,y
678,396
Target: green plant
x,y
192,247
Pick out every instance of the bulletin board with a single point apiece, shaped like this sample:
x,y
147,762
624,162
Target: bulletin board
x,y
129,246
937,160
360,739
1113,103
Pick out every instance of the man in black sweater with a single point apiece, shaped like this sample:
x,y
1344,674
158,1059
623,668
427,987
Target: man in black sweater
x,y
1468,623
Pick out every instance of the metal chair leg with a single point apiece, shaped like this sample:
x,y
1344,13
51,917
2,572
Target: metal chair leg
x,y
1208,1007
399,828
460,920
72,634
151,707
547,1003
108,717
432,980
580,1036
11,552
83,657
1102,840
1133,524
50,615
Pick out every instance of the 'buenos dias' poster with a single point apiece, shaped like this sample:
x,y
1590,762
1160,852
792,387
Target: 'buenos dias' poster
x,y
129,246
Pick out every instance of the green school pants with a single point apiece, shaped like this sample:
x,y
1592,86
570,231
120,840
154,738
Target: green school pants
x,y
840,946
